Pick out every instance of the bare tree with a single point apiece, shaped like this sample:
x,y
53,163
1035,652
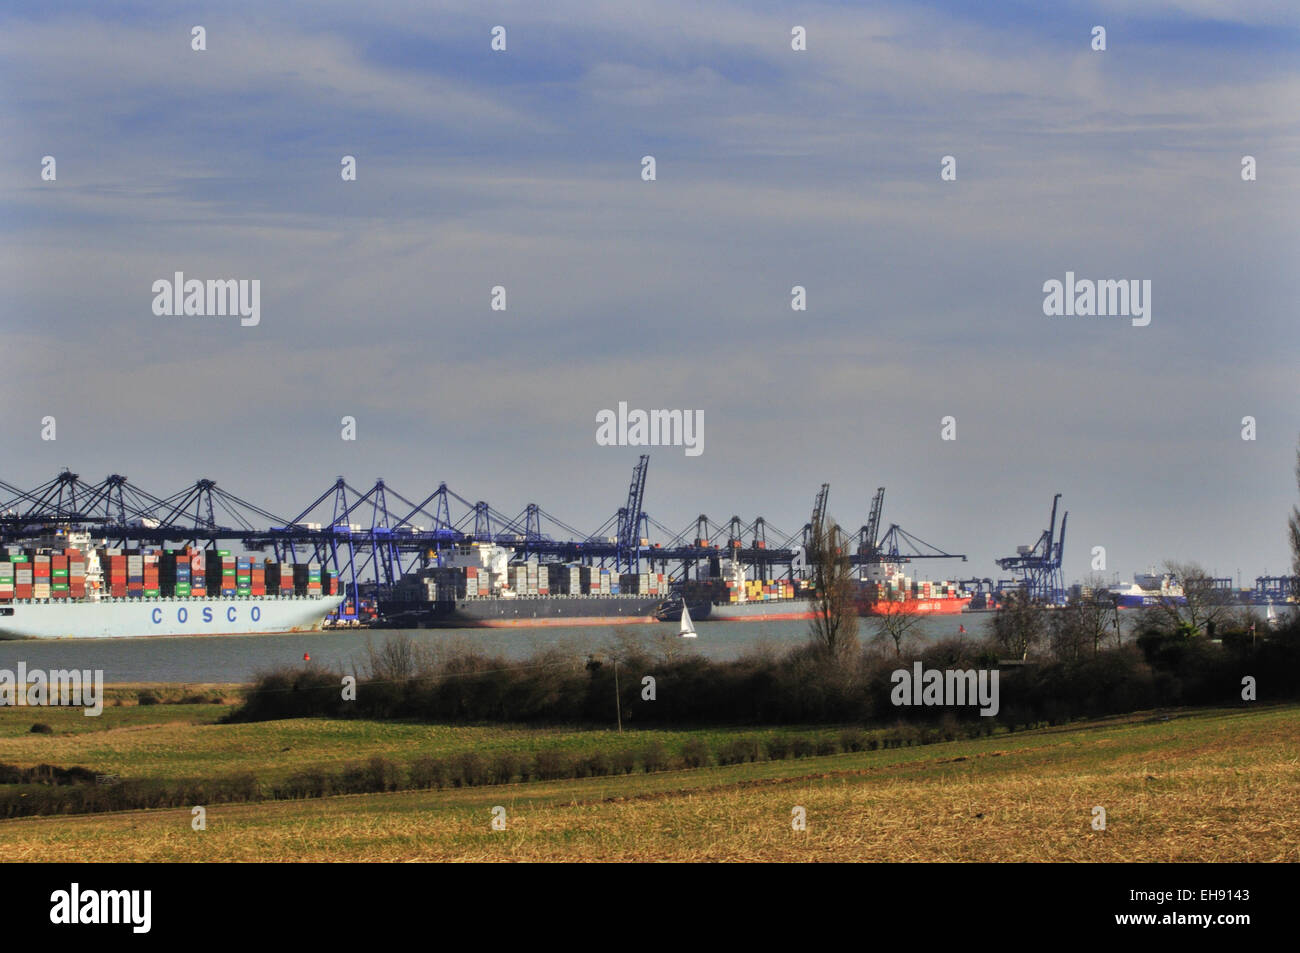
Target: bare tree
x,y
394,661
1293,525
835,620
1204,606
1081,626
1019,625
893,624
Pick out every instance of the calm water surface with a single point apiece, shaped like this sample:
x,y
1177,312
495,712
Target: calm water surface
x,y
237,658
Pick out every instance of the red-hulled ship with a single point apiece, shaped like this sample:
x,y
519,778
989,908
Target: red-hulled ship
x,y
887,591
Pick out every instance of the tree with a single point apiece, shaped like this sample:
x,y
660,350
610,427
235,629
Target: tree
x,y
893,624
1293,525
1204,608
835,619
1019,625
1081,626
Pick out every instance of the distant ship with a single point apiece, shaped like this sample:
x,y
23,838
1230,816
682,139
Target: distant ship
x,y
56,589
475,585
883,589
1146,590
725,594
887,590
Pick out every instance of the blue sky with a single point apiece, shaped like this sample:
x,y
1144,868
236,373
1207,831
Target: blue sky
x,y
775,168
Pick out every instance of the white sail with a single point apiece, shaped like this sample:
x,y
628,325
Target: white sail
x,y
688,629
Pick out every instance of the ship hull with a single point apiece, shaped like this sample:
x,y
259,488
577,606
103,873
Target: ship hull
x,y
136,618
1146,602
915,607
804,609
672,612
524,613
790,610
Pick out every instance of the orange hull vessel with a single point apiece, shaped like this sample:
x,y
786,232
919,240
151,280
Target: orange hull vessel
x,y
935,605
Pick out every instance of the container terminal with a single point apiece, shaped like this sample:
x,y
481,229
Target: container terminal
x,y
81,559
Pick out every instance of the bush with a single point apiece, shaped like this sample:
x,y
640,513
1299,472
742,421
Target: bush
x,y
778,748
146,698
428,772
381,775
654,758
623,761
41,728
827,746
311,782
469,770
552,765
853,739
802,748
695,753
739,751
505,766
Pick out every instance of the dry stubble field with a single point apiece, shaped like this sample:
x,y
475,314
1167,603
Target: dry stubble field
x,y
1200,786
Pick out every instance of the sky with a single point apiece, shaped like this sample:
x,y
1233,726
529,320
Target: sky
x,y
774,168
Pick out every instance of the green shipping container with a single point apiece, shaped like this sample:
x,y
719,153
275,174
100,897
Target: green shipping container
x,y
245,591
223,552
182,589
18,559
56,573
151,593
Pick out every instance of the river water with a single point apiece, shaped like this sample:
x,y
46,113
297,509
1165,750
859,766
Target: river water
x,y
237,658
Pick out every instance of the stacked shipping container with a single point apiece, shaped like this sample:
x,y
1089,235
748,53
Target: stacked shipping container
x,y
149,574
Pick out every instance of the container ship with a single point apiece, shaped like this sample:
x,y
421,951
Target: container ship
x,y
724,593
70,588
729,596
886,590
475,585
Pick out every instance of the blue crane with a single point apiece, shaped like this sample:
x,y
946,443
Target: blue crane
x,y
630,520
1038,567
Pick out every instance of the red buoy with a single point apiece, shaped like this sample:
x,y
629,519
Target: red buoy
x,y
306,657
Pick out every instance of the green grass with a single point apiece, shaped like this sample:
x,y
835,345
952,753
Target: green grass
x,y
185,741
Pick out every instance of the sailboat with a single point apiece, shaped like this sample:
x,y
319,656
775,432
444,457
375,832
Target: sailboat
x,y
688,627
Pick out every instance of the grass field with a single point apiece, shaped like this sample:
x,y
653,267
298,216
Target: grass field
x,y
1201,786
185,741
